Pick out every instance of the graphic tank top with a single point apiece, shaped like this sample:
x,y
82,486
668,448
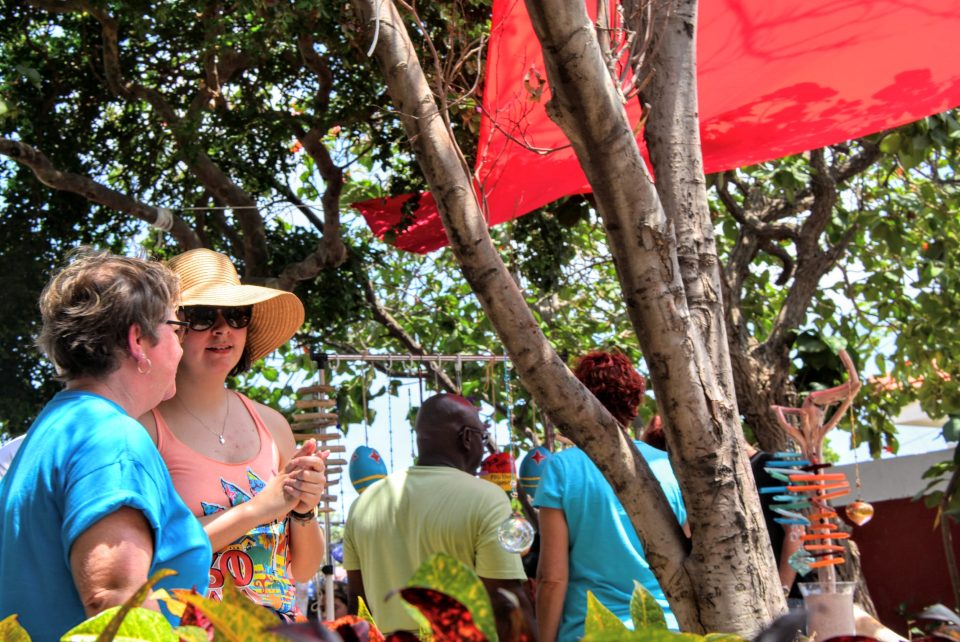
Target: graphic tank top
x,y
258,562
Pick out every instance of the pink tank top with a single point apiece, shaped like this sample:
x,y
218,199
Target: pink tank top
x,y
258,562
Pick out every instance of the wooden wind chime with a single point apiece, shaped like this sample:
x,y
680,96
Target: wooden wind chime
x,y
805,489
317,419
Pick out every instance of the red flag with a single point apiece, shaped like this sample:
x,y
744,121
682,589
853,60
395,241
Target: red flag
x,y
776,77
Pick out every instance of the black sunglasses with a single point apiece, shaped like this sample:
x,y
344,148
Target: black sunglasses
x,y
203,317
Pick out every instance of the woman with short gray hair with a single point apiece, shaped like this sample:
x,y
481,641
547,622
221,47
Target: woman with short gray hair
x,y
89,511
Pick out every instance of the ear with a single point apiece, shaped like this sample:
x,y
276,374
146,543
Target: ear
x,y
463,438
135,340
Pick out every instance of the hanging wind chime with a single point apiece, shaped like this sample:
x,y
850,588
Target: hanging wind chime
x,y
320,422
806,488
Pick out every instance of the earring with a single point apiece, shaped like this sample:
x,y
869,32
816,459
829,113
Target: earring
x,y
140,361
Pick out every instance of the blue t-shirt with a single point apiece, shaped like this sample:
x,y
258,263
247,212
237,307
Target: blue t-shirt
x,y
605,552
83,459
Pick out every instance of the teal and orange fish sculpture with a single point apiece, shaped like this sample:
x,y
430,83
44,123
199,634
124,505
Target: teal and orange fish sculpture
x,y
805,486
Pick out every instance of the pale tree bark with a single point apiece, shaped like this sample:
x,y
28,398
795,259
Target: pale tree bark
x,y
727,582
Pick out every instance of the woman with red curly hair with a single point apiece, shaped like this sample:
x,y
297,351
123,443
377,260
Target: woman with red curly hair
x,y
587,540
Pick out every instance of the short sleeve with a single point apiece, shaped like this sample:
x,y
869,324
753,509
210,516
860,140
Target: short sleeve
x,y
103,491
351,561
493,562
550,490
676,501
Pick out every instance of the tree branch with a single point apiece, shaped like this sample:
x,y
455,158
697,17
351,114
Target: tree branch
x,y
330,250
50,176
207,172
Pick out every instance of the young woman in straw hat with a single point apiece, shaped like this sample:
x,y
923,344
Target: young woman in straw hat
x,y
234,461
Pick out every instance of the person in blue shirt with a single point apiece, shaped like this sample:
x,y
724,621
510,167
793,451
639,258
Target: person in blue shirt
x,y
587,540
89,511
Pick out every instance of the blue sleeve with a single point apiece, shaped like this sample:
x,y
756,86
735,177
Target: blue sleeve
x,y
676,501
104,490
550,490
671,488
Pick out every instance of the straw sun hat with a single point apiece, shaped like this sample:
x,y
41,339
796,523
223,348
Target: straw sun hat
x,y
209,278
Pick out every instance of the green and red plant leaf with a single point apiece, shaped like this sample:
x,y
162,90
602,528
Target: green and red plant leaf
x,y
444,573
235,618
450,619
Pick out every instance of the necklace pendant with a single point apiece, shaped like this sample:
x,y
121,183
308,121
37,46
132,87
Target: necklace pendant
x,y
222,440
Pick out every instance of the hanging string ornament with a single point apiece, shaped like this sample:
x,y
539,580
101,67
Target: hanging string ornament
x,y
858,511
806,486
515,534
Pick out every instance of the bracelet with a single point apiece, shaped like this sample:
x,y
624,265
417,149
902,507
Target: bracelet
x,y
303,518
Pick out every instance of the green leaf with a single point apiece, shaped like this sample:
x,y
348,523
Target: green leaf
x,y
836,344
451,576
30,74
648,635
12,631
644,609
363,612
137,624
722,637
600,619
891,143
191,634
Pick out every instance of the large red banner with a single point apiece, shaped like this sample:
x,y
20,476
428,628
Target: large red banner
x,y
775,77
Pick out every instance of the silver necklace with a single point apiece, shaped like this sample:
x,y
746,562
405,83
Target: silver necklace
x,y
223,427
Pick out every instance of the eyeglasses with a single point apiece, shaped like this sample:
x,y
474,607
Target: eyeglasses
x,y
486,437
179,327
203,317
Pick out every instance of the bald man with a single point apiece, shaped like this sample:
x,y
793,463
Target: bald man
x,y
436,506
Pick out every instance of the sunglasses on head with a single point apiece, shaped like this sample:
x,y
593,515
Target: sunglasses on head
x,y
203,317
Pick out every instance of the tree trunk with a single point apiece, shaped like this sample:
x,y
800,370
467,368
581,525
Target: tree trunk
x,y
727,582
760,385
661,240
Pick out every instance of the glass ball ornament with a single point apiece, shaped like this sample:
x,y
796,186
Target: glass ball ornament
x,y
515,534
859,512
